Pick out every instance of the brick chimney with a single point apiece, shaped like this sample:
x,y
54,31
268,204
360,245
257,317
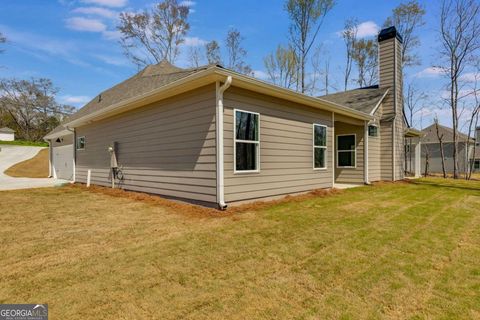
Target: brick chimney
x,y
390,44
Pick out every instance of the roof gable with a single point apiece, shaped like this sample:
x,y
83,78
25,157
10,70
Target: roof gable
x,y
362,99
430,134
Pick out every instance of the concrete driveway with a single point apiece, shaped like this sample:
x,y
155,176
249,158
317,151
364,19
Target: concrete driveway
x,y
10,155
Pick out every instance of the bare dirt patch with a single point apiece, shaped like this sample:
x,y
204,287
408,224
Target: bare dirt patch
x,y
36,167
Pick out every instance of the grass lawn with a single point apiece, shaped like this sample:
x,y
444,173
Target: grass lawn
x,y
404,250
36,167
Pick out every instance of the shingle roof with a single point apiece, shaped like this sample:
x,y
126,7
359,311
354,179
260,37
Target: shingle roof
x,y
431,134
362,99
155,76
6,130
150,78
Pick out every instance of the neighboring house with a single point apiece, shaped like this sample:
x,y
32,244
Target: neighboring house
x,y
214,136
431,146
7,134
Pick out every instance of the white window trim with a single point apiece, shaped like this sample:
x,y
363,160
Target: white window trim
x,y
84,143
257,143
320,147
354,150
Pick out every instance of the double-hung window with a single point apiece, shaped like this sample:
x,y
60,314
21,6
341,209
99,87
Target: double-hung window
x,y
319,146
346,151
80,143
247,141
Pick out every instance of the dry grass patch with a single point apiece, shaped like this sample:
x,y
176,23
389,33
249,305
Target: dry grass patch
x,y
401,250
36,167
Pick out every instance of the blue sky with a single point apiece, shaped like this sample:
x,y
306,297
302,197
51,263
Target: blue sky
x,y
74,42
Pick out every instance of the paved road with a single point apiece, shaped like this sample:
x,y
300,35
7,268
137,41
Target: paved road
x,y
10,155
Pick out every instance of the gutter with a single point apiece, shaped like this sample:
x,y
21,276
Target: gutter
x,y
213,74
219,142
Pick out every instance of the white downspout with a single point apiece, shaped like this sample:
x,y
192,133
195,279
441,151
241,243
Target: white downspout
x,y
219,142
334,154
365,154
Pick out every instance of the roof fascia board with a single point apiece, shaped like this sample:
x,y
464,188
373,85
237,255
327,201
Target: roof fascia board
x,y
379,103
287,94
211,75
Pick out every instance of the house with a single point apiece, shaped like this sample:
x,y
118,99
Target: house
x,y
217,137
7,134
431,148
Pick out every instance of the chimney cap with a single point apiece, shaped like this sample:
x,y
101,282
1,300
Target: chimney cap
x,y
389,33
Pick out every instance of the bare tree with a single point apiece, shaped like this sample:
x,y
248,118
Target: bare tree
x,y
306,18
349,35
460,41
31,106
326,76
473,120
154,35
236,52
427,161
407,18
195,56
440,142
213,52
414,100
365,55
281,66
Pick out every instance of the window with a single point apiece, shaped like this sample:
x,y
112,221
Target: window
x,y
319,146
80,143
372,131
346,152
476,166
247,141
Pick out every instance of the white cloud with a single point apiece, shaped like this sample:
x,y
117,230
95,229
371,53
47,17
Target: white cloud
x,y
74,100
194,42
84,24
430,72
470,77
113,60
107,13
365,29
187,3
259,74
107,3
112,35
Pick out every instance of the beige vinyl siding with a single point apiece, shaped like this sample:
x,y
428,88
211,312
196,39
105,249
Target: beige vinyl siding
x,y
386,150
387,74
350,175
399,148
286,148
165,148
374,149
